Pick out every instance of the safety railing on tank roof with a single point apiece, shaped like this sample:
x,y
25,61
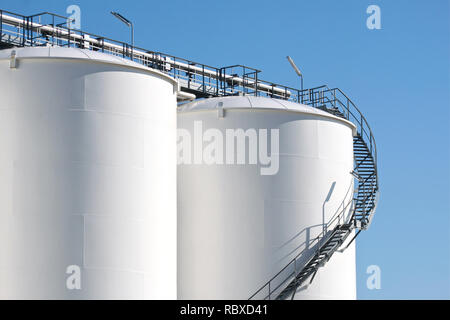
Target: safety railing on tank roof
x,y
48,29
271,289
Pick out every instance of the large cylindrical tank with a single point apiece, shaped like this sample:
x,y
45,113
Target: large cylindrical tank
x,y
87,177
258,180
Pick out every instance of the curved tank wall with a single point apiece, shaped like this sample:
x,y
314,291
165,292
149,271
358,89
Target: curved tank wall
x,y
241,221
87,177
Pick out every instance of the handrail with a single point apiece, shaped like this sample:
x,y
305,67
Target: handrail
x,y
316,240
362,122
351,112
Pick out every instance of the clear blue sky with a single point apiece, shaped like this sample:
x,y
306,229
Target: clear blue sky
x,y
398,76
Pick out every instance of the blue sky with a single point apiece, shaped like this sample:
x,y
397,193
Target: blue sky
x,y
398,76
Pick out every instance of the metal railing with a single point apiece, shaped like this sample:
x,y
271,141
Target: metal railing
x,y
48,29
324,96
279,281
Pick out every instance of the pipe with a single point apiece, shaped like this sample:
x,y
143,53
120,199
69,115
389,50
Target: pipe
x,y
15,22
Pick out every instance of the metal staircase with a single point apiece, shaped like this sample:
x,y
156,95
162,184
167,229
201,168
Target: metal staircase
x,y
368,183
326,250
354,217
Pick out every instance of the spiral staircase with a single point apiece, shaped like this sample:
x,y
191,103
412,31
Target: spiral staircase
x,y
362,206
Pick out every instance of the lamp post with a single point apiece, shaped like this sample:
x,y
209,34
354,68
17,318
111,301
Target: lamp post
x,y
298,72
129,24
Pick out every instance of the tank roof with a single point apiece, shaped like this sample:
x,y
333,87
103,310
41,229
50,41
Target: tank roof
x,y
75,53
252,102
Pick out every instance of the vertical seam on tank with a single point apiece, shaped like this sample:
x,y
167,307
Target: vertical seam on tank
x,y
84,93
250,102
279,102
82,51
84,242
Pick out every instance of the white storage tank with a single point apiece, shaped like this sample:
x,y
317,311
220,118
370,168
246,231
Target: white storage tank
x,y
258,180
87,177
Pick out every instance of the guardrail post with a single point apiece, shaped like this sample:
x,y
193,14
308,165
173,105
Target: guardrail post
x,y
348,109
53,33
189,75
256,84
203,78
1,25
218,73
68,36
362,127
23,31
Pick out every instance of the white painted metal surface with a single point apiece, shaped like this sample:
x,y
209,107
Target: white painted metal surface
x,y
87,177
238,228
